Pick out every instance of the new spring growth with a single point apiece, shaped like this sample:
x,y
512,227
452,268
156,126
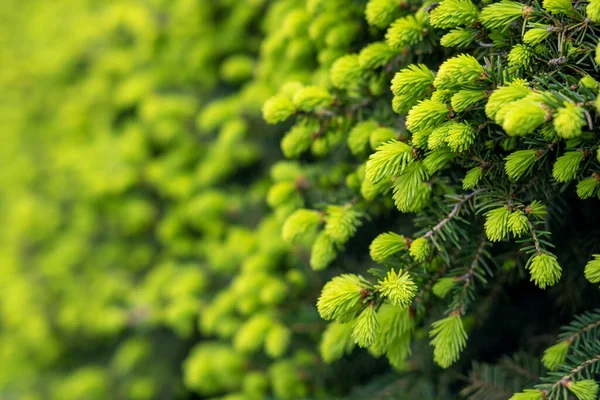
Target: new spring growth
x,y
452,13
460,136
558,7
413,80
443,286
380,136
520,56
593,10
375,55
297,140
523,116
501,15
345,71
277,341
311,98
536,35
496,223
419,249
211,378
358,138
426,115
410,85
406,31
586,389
520,163
556,355
588,187
504,95
566,166
410,190
437,138
341,222
395,328
369,190
442,95
256,384
472,178
386,245
459,37
592,269
518,223
457,72
381,13
342,297
336,341
389,160
449,339
281,193
419,139
536,209
569,120
323,252
464,99
528,394
544,269
366,327
299,224
589,82
252,334
398,288
284,379
277,109
437,159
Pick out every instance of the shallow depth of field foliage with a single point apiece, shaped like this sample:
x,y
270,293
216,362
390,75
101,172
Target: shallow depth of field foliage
x,y
299,199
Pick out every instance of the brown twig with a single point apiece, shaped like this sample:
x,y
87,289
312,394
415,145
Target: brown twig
x,y
453,213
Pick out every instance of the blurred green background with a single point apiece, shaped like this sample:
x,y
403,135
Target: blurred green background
x,y
129,197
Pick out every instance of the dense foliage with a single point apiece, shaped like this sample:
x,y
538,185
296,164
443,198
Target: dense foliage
x,y
299,199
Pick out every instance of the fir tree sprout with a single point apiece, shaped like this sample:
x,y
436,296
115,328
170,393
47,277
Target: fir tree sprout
x,y
592,269
449,339
405,31
381,12
342,297
461,70
452,13
366,327
566,166
386,245
398,288
500,15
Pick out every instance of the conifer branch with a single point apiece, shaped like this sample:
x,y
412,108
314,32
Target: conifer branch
x,y
467,278
565,380
536,241
453,213
584,330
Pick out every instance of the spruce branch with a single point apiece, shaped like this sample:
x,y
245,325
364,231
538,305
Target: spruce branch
x,y
565,380
467,278
583,331
455,210
536,241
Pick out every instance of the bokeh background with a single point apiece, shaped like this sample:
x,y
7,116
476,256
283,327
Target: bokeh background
x,y
133,176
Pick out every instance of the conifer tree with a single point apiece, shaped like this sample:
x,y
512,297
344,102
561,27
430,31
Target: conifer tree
x,y
300,199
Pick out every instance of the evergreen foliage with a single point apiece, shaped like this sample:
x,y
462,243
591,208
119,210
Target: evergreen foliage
x,y
300,199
